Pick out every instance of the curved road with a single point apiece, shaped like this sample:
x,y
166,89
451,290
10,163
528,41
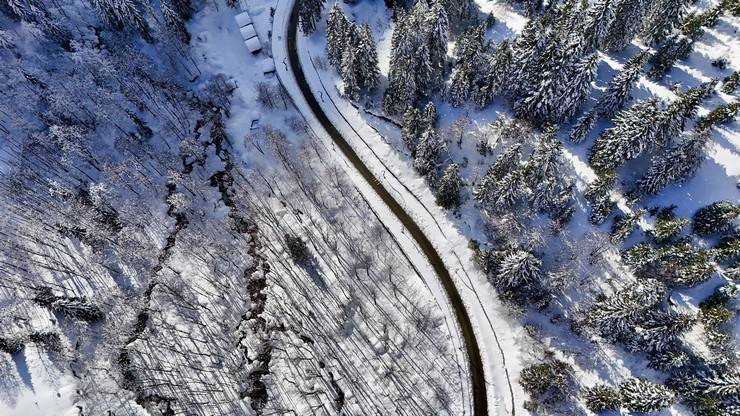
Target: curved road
x,y
475,363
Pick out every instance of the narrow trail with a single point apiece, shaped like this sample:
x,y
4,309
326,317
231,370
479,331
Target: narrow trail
x,y
478,381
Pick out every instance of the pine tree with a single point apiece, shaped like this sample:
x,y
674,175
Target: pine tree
x,y
123,14
526,51
722,385
602,397
366,58
427,151
628,17
458,90
518,267
660,331
676,164
504,163
411,129
576,88
624,225
348,70
448,187
724,113
494,82
461,13
730,82
175,21
676,47
634,131
618,90
437,27
547,158
615,316
583,127
667,226
663,17
598,194
673,119
508,191
643,396
309,13
599,17
337,35
715,218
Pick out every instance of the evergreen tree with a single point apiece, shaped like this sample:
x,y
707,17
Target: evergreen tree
x,y
724,385
618,90
493,83
643,396
461,13
676,164
598,194
427,151
673,118
663,17
628,17
429,116
660,331
348,71
667,226
624,225
124,14
724,113
309,13
676,47
716,217
437,27
458,90
730,82
599,17
448,187
634,130
526,51
518,267
366,58
504,163
615,316
411,129
576,88
337,35
175,20
547,158
508,191
602,397
583,126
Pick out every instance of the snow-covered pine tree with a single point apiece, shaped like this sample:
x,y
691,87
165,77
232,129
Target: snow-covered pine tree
x,y
508,191
663,17
667,226
366,58
676,164
643,396
598,194
448,187
504,163
458,89
174,20
730,82
411,129
675,47
618,90
634,130
725,385
337,35
724,113
309,13
348,71
615,316
599,17
673,119
577,85
437,28
660,331
461,13
583,126
601,397
547,157
429,116
495,81
427,151
518,268
526,53
628,17
624,225
123,14
715,218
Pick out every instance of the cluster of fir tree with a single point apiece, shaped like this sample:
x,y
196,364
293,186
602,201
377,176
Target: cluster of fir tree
x,y
309,14
351,49
418,55
539,183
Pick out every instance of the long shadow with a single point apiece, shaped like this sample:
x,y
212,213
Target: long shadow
x,y
480,398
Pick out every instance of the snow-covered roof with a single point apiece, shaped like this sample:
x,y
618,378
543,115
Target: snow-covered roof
x,y
253,44
243,19
268,65
248,32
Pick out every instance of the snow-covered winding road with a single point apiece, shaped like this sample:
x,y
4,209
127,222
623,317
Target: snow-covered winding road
x,y
430,240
